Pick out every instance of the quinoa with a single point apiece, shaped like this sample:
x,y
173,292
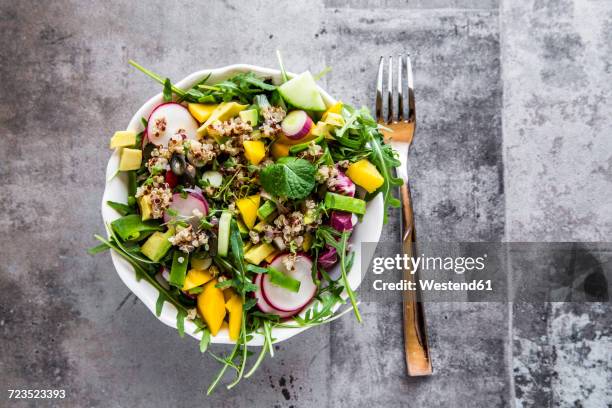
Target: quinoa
x,y
273,116
175,144
160,195
313,152
200,153
230,128
186,239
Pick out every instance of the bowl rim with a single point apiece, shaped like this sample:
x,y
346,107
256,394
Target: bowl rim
x,y
116,190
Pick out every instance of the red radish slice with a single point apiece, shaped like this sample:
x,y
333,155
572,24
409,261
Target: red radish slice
x,y
168,119
197,191
297,125
265,306
283,299
185,207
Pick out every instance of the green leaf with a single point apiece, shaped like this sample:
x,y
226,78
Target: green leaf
x,y
97,249
167,90
289,177
159,305
205,340
248,305
180,322
121,208
131,227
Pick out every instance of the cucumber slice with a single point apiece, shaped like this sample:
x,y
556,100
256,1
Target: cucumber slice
x,y
340,202
224,233
302,92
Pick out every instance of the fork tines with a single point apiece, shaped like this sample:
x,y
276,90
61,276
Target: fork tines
x,y
395,112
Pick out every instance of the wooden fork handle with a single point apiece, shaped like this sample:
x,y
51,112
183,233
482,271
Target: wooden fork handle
x,y
418,360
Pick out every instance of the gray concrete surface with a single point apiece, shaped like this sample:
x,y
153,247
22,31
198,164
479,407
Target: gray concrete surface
x,y
514,104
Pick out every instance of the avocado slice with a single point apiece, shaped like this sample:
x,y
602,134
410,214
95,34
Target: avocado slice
x,y
258,253
123,138
157,245
146,207
130,159
224,111
250,115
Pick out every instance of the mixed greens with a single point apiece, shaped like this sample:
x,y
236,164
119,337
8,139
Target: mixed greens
x,y
242,196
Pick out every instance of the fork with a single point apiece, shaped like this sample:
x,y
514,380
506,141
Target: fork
x,y
418,361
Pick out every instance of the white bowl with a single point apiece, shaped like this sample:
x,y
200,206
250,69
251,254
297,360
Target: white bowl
x,y
368,230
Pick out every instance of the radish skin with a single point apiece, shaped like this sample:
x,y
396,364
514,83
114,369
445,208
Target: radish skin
x,y
297,125
168,119
283,299
185,207
265,306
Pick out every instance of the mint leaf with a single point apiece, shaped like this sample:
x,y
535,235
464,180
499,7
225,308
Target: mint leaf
x,y
289,177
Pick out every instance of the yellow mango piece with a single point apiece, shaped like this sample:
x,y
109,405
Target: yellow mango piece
x,y
146,207
130,159
224,111
201,111
123,138
195,278
227,294
335,108
211,305
234,307
307,243
271,257
254,150
258,253
279,150
248,209
335,120
365,174
321,129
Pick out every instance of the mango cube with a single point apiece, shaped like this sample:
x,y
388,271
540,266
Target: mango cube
x,y
234,307
248,209
201,111
321,129
254,151
130,159
279,150
123,138
211,305
335,108
365,174
195,278
335,120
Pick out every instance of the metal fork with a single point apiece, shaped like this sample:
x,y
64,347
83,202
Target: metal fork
x,y
402,124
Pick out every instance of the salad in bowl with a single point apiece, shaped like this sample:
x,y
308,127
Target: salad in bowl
x,y
233,203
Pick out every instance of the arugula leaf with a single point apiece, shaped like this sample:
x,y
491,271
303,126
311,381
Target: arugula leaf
x,y
180,322
167,93
289,177
159,304
97,249
205,340
383,157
